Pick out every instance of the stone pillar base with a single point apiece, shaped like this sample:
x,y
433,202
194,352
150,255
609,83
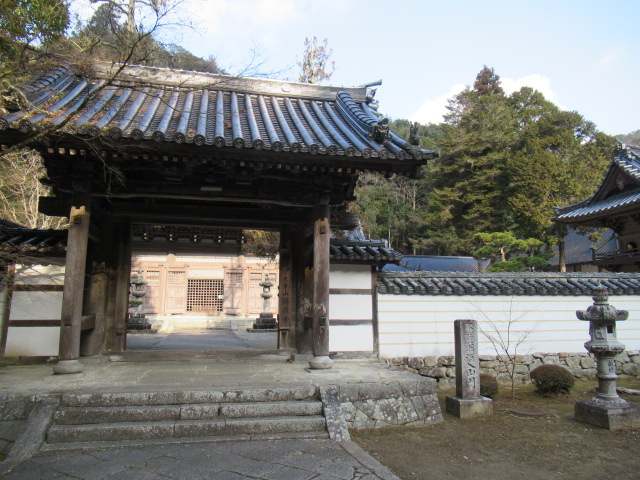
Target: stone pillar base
x,y
67,366
612,417
469,407
320,362
266,321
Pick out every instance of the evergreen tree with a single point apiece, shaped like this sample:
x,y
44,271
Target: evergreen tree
x,y
478,132
558,159
26,26
488,82
506,162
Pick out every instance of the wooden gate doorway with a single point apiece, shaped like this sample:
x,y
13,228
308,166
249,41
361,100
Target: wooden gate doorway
x,y
196,286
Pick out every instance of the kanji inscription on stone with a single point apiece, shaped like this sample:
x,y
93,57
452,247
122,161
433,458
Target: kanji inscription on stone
x,y
467,362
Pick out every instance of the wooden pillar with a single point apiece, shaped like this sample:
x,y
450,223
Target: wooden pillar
x,y
118,271
92,341
374,311
112,253
73,292
321,237
286,293
302,292
122,290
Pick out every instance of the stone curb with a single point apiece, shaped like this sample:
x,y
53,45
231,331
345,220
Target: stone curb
x,y
34,434
367,460
336,423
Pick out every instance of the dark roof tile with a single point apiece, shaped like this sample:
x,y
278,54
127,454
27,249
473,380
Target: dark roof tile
x,y
521,283
163,105
362,251
627,159
17,239
436,263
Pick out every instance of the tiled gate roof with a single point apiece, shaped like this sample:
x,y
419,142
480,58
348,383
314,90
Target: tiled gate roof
x,y
163,105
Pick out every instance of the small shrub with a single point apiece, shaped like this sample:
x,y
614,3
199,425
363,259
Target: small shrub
x,y
488,385
552,379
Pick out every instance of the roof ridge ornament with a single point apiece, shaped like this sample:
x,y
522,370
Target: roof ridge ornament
x,y
380,131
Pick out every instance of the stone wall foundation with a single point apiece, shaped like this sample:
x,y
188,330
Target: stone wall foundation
x,y
581,365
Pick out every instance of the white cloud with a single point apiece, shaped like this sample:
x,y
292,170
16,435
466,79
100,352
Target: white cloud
x,y
432,110
535,81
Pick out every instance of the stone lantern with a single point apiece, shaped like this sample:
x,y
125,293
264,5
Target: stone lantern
x,y
266,321
137,319
606,409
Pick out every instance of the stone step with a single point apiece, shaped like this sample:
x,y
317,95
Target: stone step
x,y
183,429
203,411
221,356
271,409
166,398
58,447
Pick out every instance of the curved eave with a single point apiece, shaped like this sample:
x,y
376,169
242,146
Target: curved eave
x,y
166,107
32,241
628,160
595,211
625,159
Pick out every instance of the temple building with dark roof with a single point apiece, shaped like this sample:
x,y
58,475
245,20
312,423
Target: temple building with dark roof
x,y
615,205
581,247
437,263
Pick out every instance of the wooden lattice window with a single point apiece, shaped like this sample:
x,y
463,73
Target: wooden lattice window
x,y
176,276
206,273
255,278
204,295
152,276
234,278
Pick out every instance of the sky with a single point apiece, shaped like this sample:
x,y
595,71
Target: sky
x,y
579,54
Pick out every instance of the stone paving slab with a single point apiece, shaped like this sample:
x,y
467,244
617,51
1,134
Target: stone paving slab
x,y
101,375
298,459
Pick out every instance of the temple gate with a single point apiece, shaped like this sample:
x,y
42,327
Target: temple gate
x,y
139,148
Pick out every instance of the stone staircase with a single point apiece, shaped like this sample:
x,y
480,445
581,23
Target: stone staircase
x,y
161,416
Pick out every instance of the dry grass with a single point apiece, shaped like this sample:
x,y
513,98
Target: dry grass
x,y
508,446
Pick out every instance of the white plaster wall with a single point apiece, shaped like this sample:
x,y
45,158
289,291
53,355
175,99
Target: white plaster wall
x,y
350,307
32,341
40,274
351,338
417,325
36,306
350,276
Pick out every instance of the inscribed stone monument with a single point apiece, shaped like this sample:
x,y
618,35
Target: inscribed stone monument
x,y
468,402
